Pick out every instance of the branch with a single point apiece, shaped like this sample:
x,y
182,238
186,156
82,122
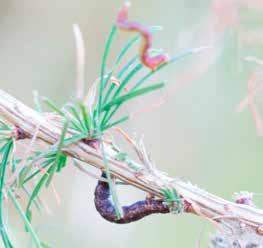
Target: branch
x,y
235,220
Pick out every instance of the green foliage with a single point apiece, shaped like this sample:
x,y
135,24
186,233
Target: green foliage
x,y
35,193
135,93
111,97
5,153
54,160
173,200
113,192
60,158
5,133
103,82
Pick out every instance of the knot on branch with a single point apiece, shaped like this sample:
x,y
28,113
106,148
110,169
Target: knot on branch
x,y
19,133
94,143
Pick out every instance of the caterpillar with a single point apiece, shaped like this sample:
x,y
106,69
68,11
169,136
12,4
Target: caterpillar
x,y
131,213
152,62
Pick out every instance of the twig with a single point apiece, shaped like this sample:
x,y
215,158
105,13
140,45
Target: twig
x,y
80,58
196,200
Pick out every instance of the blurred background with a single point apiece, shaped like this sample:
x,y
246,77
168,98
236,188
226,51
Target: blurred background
x,y
197,133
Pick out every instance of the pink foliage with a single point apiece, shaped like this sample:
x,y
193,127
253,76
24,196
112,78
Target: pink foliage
x,y
225,14
252,89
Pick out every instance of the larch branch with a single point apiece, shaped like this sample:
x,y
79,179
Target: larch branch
x,y
200,202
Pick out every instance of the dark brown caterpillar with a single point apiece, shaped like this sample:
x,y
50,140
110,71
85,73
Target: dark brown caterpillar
x,y
131,213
